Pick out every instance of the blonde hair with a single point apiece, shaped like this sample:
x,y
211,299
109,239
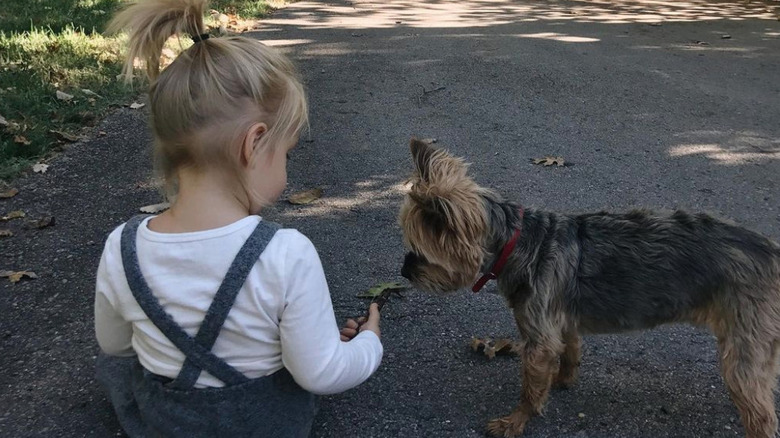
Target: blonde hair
x,y
213,92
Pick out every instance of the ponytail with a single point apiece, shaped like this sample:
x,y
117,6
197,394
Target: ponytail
x,y
150,23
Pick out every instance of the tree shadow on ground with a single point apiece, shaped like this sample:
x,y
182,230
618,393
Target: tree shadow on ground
x,y
663,116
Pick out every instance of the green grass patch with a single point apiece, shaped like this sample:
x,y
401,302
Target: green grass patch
x,y
246,9
46,46
57,45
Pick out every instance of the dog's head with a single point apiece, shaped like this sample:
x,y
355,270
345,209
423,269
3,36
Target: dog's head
x,y
444,222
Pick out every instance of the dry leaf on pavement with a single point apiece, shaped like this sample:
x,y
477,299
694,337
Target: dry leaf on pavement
x,y
6,233
46,221
155,208
16,214
491,348
15,276
40,168
10,193
549,161
136,105
305,197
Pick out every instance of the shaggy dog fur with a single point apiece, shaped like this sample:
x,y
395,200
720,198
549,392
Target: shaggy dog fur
x,y
599,273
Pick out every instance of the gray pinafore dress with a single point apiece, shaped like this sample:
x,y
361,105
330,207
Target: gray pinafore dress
x,y
148,405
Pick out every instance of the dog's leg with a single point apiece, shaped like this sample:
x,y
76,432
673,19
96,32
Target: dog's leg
x,y
749,368
569,369
539,364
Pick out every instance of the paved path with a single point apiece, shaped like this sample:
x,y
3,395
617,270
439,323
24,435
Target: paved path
x,y
660,116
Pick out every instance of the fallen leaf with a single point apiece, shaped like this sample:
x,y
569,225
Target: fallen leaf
x,y
64,136
16,276
20,139
305,197
63,96
40,168
429,140
3,121
90,93
581,415
379,288
102,133
6,233
136,105
16,214
491,348
155,208
46,221
549,161
10,193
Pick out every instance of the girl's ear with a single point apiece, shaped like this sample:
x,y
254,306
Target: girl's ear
x,y
252,142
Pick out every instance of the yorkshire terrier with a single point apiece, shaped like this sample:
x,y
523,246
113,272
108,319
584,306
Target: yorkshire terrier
x,y
564,275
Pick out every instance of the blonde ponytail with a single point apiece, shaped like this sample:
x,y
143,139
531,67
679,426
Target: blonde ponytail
x,y
211,93
151,23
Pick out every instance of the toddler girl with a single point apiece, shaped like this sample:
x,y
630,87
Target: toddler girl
x,y
212,321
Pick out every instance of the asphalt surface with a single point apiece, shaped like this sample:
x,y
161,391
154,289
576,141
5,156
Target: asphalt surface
x,y
656,104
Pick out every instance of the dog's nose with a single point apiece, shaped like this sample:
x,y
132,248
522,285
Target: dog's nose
x,y
406,269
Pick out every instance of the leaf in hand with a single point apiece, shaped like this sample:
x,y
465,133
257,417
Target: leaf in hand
x,y
379,288
305,197
549,161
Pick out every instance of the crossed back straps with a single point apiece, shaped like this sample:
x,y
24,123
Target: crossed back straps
x,y
197,350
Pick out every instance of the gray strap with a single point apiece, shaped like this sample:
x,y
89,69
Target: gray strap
x,y
225,297
201,356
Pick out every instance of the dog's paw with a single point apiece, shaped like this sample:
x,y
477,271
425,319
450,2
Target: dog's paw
x,y
507,427
564,382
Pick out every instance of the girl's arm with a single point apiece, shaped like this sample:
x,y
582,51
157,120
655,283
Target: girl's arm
x,y
114,334
311,346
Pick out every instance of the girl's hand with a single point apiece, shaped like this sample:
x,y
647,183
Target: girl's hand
x,y
352,327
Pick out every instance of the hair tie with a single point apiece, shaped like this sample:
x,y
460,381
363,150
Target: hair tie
x,y
198,38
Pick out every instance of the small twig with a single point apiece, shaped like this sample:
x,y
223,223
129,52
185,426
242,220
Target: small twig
x,y
380,301
426,92
434,90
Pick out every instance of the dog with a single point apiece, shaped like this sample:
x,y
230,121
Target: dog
x,y
565,275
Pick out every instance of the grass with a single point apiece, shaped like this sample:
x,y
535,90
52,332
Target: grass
x,y
243,8
56,45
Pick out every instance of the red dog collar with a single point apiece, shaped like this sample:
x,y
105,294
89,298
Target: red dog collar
x,y
499,266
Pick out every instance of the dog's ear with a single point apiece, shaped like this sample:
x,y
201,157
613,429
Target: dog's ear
x,y
437,212
421,155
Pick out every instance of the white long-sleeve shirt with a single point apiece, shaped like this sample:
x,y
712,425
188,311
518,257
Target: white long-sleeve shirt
x,y
282,317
